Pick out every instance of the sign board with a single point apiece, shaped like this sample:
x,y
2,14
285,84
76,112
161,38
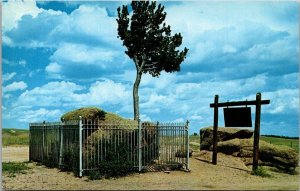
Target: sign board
x,y
237,117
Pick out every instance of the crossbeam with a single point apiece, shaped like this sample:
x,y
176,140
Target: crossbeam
x,y
239,103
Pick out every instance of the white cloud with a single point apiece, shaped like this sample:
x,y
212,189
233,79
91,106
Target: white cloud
x,y
100,93
22,63
39,115
14,10
229,49
77,53
51,94
107,92
15,86
53,70
282,101
145,117
8,76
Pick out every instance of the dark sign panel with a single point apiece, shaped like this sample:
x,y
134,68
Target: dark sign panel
x,y
238,117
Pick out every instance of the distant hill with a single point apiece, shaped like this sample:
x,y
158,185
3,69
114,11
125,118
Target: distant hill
x,y
12,136
278,136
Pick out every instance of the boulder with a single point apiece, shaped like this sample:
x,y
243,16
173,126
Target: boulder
x,y
280,156
224,134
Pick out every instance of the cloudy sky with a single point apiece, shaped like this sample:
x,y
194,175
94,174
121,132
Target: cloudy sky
x,y
59,56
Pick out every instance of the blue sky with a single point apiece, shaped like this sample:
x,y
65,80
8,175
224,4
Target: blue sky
x,y
59,56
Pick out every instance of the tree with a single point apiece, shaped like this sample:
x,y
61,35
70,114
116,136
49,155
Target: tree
x,y
149,42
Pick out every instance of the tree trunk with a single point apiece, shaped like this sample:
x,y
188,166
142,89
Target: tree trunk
x,y
136,95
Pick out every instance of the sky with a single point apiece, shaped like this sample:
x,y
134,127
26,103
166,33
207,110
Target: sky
x,y
60,56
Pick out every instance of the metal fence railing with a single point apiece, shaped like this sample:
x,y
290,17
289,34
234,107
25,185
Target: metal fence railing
x,y
80,146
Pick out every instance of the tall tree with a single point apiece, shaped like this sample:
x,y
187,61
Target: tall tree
x,y
149,42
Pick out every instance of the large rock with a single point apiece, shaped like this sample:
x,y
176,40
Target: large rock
x,y
280,156
224,134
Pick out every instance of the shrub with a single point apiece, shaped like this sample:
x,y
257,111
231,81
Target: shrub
x,y
71,159
13,168
261,171
95,175
115,163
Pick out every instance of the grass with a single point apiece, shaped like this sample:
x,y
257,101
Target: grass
x,y
15,137
261,171
194,142
13,168
293,143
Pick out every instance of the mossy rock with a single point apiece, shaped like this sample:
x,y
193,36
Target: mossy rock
x,y
86,113
280,156
224,134
95,113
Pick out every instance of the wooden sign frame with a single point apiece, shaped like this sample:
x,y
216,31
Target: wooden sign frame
x,y
258,102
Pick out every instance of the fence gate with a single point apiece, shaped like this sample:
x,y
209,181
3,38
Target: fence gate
x,y
81,146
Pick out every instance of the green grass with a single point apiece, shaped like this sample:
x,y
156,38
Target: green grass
x,y
293,143
194,142
12,168
261,171
15,137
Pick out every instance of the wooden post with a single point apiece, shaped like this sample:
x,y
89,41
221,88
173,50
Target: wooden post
x,y
256,132
215,131
80,146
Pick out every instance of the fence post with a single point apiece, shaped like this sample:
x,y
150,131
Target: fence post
x,y
30,149
157,141
80,146
187,145
43,148
140,145
61,143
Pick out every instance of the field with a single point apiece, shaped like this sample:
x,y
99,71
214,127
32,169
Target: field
x,y
15,137
294,143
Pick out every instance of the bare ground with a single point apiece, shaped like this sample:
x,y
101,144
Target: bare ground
x,y
229,174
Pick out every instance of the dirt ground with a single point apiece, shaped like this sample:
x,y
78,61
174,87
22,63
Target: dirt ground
x,y
229,174
16,154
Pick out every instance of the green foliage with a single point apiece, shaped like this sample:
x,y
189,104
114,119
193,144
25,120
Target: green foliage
x,y
261,171
70,161
114,164
195,134
95,175
13,168
148,39
51,160
15,137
